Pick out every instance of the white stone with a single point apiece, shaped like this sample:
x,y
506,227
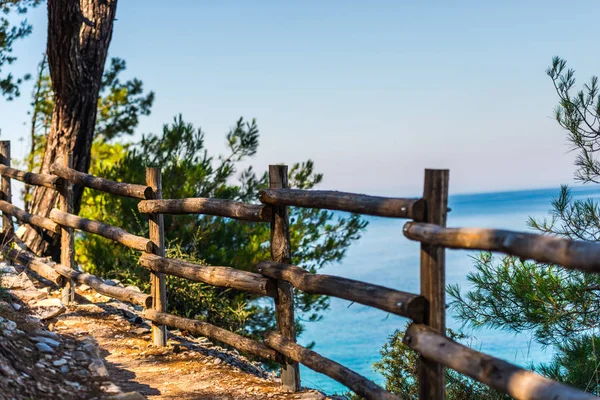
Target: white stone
x,y
97,368
16,281
46,340
44,348
50,303
60,362
9,325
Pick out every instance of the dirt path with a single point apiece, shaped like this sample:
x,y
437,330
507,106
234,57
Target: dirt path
x,y
188,368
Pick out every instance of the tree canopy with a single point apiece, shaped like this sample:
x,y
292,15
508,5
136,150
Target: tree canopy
x,y
559,306
318,237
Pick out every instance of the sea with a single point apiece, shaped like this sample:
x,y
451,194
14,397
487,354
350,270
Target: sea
x,y
353,335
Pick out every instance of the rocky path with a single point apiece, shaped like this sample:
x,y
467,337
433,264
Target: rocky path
x,y
99,328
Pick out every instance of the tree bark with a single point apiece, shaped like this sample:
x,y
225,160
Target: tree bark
x,y
79,33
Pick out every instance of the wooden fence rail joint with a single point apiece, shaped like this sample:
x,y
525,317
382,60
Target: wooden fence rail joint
x,y
102,184
31,178
212,275
400,303
102,229
30,261
498,374
31,219
316,362
97,284
572,254
214,332
208,206
342,201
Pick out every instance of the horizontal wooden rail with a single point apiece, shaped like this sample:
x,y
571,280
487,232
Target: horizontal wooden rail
x,y
102,229
356,203
572,254
116,292
214,332
31,178
508,378
216,276
35,264
31,219
200,205
401,303
105,185
359,384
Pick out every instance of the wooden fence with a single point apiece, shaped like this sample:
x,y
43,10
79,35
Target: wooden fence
x,y
277,277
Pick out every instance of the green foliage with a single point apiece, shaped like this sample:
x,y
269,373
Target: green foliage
x,y
399,367
576,363
120,104
9,85
519,296
577,219
318,237
579,114
558,305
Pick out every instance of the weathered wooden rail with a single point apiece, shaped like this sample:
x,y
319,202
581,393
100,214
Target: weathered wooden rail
x,y
276,278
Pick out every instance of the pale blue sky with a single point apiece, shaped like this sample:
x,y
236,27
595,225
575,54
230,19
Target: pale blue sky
x,y
373,92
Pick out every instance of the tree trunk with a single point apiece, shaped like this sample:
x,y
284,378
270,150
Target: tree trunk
x,y
79,33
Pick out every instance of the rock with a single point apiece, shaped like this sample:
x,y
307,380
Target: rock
x,y
52,313
136,320
46,340
16,306
45,333
311,395
97,368
49,303
16,281
127,396
91,348
59,362
44,348
49,308
82,373
8,326
111,388
80,356
28,295
64,369
7,371
217,361
73,384
8,269
140,331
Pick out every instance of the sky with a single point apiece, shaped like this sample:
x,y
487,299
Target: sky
x,y
374,92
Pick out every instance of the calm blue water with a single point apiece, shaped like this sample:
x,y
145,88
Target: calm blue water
x,y
353,334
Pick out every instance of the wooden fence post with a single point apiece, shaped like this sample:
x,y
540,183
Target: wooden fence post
x,y
281,252
7,224
432,380
67,237
157,279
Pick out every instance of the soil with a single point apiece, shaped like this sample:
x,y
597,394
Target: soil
x,y
187,368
